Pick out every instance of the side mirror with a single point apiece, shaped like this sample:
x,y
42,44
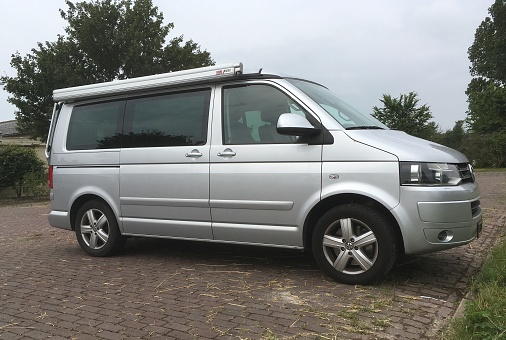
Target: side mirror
x,y
295,125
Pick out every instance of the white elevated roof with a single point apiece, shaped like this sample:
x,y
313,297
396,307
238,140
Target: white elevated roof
x,y
148,82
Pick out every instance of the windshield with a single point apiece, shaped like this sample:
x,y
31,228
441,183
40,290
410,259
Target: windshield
x,y
345,115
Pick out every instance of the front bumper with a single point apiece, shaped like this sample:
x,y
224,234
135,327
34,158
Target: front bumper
x,y
438,218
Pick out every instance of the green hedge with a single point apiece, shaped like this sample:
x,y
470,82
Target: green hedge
x,y
21,172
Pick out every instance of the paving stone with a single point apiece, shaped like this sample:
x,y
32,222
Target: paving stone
x,y
186,290
5,335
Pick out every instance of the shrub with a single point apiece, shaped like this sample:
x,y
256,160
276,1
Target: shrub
x,y
486,150
19,167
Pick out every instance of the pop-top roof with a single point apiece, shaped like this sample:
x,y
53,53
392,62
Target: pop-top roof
x,y
148,82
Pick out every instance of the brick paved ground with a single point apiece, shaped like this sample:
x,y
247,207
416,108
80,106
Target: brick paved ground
x,y
179,290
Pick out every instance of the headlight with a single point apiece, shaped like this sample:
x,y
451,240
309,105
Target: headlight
x,y
429,174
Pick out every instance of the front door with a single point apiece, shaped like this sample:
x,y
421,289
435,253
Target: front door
x,y
261,182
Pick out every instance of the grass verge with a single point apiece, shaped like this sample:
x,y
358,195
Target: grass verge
x,y
490,170
485,316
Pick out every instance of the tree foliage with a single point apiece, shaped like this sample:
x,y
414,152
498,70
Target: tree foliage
x,y
488,51
486,116
17,165
404,114
105,40
51,65
486,106
486,150
454,137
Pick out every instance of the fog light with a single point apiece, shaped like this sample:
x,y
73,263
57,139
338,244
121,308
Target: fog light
x,y
445,236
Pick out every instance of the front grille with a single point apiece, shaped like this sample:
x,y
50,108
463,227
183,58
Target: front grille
x,y
466,173
475,208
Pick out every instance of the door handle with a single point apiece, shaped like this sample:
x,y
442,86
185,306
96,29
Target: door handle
x,y
194,154
227,153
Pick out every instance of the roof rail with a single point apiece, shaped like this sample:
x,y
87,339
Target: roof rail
x,y
148,82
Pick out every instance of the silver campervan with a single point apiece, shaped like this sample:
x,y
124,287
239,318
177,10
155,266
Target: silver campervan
x,y
216,154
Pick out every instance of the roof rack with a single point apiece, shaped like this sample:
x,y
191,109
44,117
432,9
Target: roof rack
x,y
148,82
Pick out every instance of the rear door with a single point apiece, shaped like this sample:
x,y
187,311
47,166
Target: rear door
x,y
164,176
262,183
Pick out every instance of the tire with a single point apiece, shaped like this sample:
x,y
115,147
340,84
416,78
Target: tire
x,y
354,244
97,229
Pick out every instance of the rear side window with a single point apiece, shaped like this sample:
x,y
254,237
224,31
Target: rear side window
x,y
95,126
176,119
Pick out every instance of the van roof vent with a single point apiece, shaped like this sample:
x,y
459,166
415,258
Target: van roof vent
x,y
149,82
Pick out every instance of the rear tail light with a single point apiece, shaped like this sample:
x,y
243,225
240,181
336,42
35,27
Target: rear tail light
x,y
50,176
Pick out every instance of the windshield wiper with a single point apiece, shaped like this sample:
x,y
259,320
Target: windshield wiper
x,y
364,127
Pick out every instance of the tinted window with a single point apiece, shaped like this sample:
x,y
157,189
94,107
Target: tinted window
x,y
175,119
95,126
250,115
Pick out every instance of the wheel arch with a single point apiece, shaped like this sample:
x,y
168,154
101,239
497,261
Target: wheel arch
x,y
80,201
332,201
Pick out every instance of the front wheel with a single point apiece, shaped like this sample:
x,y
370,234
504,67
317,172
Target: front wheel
x,y
354,244
97,230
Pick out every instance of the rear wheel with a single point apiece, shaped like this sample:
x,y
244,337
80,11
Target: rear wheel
x,y
97,230
354,244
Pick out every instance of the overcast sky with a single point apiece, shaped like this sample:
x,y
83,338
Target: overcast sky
x,y
359,49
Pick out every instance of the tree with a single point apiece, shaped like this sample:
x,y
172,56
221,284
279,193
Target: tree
x,y
453,138
486,106
105,40
50,66
17,165
486,93
488,51
403,114
485,149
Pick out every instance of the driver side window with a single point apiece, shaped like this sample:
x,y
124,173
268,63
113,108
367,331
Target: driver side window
x,y
251,112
